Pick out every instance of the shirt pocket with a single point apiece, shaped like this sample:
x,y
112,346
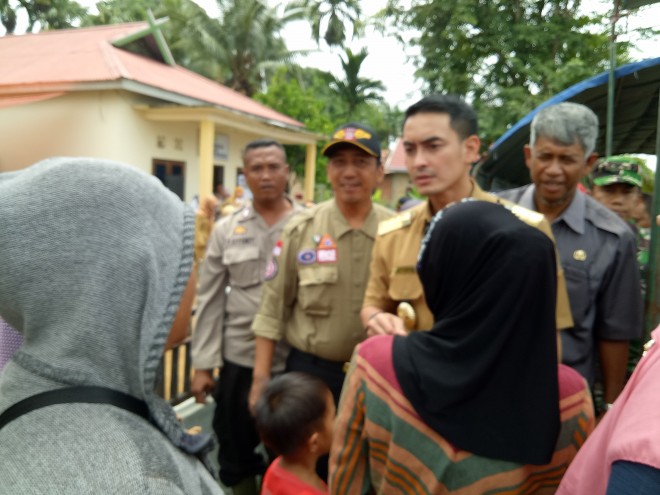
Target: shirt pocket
x,y
577,285
243,265
405,286
316,285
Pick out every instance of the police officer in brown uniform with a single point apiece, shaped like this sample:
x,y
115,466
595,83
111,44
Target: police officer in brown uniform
x,y
441,143
238,260
314,301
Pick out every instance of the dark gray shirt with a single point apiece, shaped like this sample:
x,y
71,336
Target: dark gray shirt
x,y
597,252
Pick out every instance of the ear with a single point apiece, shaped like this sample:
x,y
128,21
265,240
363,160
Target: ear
x,y
471,145
527,150
589,164
313,442
380,173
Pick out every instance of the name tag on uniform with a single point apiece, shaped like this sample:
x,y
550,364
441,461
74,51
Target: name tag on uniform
x,y
326,255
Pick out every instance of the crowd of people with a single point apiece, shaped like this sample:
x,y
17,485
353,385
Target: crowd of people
x,y
473,343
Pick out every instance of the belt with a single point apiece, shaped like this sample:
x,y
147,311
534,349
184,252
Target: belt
x,y
340,366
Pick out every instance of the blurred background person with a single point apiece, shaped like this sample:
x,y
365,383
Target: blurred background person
x,y
204,220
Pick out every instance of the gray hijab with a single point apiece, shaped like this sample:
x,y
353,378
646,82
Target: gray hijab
x,y
94,258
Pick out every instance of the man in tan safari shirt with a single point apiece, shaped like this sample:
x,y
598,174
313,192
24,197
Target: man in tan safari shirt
x,y
441,143
314,300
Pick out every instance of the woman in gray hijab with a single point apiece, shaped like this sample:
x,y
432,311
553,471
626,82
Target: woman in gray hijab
x,y
95,264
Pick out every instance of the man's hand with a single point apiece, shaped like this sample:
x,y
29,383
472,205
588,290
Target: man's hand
x,y
378,322
202,384
258,384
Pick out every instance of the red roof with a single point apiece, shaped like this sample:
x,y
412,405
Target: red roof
x,y
396,161
86,55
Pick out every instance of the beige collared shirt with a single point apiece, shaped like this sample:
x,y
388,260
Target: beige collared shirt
x,y
238,260
394,279
314,300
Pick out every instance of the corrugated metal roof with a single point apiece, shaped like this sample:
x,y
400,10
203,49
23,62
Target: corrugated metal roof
x,y
86,55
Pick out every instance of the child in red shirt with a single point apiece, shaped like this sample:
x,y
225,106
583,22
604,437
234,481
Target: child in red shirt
x,y
295,416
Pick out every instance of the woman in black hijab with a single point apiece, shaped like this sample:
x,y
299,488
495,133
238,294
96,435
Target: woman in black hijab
x,y
485,375
474,403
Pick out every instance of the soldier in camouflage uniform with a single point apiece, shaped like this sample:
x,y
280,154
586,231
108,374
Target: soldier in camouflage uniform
x,y
617,184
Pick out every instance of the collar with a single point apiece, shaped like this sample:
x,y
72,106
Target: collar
x,y
248,213
341,225
476,193
573,216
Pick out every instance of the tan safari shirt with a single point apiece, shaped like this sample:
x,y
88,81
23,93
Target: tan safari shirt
x,y
238,260
314,300
394,277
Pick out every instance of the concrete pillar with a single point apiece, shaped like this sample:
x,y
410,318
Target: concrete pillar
x,y
310,172
206,141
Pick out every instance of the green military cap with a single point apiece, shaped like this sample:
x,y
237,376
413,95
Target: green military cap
x,y
620,169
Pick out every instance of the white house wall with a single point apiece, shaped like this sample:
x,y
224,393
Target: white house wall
x,y
106,124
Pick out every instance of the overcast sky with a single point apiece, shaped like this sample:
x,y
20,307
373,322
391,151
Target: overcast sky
x,y
388,60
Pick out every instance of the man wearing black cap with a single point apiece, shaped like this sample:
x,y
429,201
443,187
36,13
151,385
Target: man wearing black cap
x,y
323,264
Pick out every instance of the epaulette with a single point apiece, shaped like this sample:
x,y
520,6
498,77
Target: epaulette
x,y
526,215
395,223
299,219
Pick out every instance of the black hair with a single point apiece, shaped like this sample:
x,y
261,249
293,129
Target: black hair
x,y
290,409
462,117
263,143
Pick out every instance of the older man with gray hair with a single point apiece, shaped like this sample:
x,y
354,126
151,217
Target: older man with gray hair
x,y
596,248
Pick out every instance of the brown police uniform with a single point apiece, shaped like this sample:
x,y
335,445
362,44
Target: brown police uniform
x,y
394,277
314,300
239,259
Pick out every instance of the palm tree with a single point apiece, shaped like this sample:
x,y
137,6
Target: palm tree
x,y
237,49
329,18
45,14
245,43
353,89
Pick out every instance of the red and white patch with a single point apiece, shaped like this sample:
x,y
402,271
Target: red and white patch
x,y
326,256
277,250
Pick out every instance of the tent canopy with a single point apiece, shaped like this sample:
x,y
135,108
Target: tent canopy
x,y
635,122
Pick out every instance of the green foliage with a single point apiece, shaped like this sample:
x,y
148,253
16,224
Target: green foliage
x,y
245,42
303,95
506,56
306,95
352,89
41,14
329,19
185,31
384,119
238,49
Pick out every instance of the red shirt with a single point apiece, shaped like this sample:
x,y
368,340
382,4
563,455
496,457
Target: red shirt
x,y
279,481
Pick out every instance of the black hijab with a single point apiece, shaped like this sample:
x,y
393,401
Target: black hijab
x,y
485,376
